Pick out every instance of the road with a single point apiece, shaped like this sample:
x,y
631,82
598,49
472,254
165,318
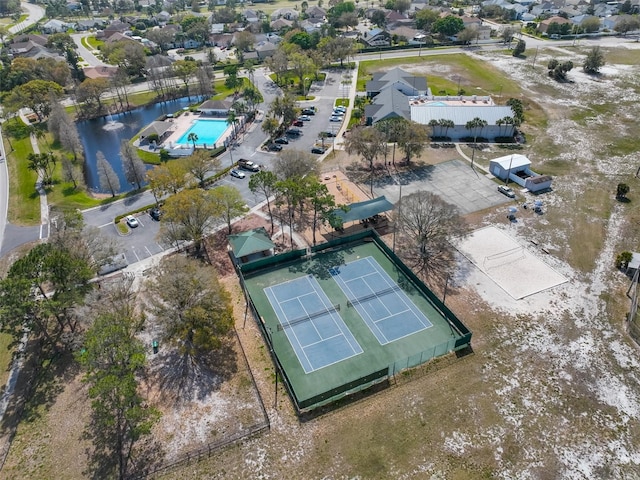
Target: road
x,y
84,52
35,13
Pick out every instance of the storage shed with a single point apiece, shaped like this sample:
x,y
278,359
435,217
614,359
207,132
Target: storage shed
x,y
517,169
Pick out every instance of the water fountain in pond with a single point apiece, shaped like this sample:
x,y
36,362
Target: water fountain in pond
x,y
112,124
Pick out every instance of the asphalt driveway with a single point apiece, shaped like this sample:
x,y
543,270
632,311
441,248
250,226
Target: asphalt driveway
x,y
454,181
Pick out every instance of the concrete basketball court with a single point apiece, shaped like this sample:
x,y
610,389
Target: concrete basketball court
x,y
509,264
454,181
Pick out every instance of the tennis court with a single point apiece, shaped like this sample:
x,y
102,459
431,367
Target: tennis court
x,y
386,309
317,334
324,349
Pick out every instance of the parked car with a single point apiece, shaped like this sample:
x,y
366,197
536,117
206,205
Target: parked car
x,y
304,118
248,165
237,173
294,132
156,213
340,108
327,134
298,123
132,221
336,119
274,147
319,150
506,191
282,141
309,111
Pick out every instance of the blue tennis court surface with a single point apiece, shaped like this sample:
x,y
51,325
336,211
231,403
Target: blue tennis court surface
x,y
313,326
386,309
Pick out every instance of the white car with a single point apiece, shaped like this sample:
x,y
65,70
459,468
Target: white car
x,y
132,221
336,119
237,173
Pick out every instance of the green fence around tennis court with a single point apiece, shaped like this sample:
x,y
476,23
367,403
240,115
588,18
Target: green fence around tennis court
x,y
335,392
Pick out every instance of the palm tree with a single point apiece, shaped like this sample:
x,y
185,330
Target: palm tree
x,y
476,125
446,124
192,137
433,123
232,120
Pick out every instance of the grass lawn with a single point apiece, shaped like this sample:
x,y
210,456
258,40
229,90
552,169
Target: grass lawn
x,y
223,92
148,157
24,201
92,43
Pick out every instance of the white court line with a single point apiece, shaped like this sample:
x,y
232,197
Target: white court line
x,y
323,340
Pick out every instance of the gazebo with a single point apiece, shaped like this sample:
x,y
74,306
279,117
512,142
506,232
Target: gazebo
x,y
361,210
251,245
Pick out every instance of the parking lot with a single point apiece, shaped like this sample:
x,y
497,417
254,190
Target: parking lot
x,y
454,181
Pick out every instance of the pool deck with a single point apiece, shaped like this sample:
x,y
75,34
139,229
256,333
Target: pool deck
x,y
184,123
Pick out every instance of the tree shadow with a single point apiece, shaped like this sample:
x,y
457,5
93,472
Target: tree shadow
x,y
182,378
319,266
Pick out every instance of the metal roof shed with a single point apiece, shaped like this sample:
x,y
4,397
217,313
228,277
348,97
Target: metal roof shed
x,y
362,210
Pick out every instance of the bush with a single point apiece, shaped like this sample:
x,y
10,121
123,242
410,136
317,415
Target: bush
x,y
623,259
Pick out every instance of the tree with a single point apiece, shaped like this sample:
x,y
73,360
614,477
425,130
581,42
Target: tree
x,y
558,70
401,5
623,259
448,26
201,163
167,178
507,34
189,215
109,181
520,48
301,65
244,42
270,126
622,190
193,309
379,19
44,163
426,17
71,172
264,182
475,126
412,138
90,93
590,24
518,110
627,23
322,203
290,194
469,34
193,137
126,54
337,49
134,169
294,164
36,95
594,61
114,358
284,107
230,202
426,226
39,292
185,70
369,143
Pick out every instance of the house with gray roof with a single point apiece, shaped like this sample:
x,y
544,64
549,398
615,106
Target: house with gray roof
x,y
160,128
217,108
265,49
408,84
286,13
56,26
376,37
390,103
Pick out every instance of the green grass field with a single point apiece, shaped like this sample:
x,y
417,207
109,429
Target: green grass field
x,y
24,201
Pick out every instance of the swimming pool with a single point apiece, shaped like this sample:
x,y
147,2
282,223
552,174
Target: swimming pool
x,y
208,132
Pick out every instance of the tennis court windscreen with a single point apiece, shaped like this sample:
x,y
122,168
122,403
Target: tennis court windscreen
x,y
381,293
310,316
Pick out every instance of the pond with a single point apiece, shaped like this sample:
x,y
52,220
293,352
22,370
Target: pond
x,y
104,134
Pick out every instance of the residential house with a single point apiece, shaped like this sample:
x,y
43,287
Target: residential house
x,y
84,25
163,17
376,37
310,26
114,27
216,28
56,26
545,8
265,49
251,16
286,13
609,23
316,12
280,24
407,33
221,39
543,26
102,71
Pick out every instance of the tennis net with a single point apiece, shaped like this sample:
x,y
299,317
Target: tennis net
x,y
381,293
311,316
